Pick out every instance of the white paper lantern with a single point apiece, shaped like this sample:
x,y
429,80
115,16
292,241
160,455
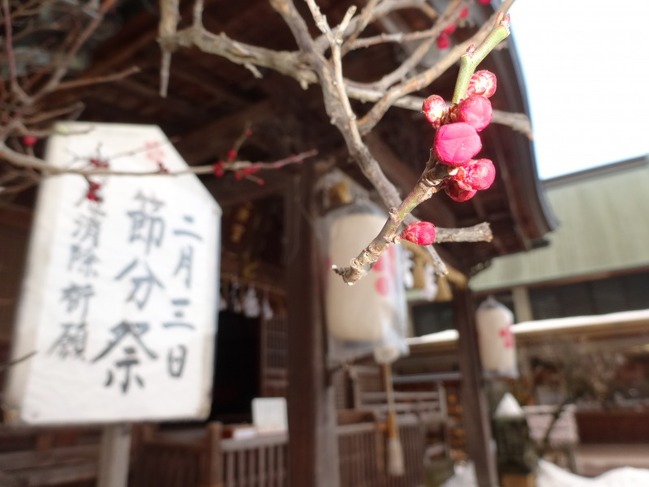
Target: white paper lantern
x,y
373,309
495,338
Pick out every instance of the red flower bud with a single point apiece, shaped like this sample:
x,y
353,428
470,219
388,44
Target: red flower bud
x,y
483,83
456,193
420,233
459,178
94,186
92,193
476,175
464,13
449,29
484,2
30,140
480,174
218,169
476,111
231,155
246,171
434,108
456,143
443,41
99,163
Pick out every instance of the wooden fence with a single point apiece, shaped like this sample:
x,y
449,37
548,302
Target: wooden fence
x,y
39,456
207,460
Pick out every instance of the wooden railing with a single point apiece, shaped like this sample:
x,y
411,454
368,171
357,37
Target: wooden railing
x,y
363,455
368,393
421,396
39,456
259,461
206,460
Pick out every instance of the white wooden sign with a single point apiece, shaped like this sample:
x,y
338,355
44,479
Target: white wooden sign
x,y
120,292
269,414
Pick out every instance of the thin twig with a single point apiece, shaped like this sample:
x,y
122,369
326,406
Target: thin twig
x,y
398,38
364,19
381,10
65,63
449,16
67,85
11,363
425,78
41,117
11,58
20,160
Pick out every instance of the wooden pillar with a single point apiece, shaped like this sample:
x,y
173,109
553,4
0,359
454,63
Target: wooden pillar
x,y
214,465
522,304
313,445
475,413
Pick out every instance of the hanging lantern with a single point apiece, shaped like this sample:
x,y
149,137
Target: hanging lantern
x,y
495,338
374,309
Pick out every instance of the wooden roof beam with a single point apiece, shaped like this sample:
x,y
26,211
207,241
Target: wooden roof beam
x,y
211,141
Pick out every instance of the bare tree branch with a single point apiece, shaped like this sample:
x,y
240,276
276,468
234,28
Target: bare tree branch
x,y
424,79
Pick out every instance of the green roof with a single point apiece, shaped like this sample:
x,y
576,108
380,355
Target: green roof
x,y
603,226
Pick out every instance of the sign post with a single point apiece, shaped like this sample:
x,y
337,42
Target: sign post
x,y
114,456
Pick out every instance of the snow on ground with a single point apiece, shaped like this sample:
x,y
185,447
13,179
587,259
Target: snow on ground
x,y
549,475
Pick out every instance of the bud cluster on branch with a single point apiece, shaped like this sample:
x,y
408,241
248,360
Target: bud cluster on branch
x,y
452,166
457,140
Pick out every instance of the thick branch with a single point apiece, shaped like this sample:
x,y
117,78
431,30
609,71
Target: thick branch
x,y
476,233
428,184
285,62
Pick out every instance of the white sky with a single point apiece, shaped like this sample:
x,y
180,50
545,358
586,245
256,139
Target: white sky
x,y
586,65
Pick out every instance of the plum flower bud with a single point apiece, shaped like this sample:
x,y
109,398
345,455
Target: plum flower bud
x,y
219,169
483,83
476,175
476,111
434,108
456,193
456,143
30,140
480,174
443,41
92,194
420,233
449,29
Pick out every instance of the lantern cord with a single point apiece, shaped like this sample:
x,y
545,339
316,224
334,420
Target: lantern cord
x,y
395,449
